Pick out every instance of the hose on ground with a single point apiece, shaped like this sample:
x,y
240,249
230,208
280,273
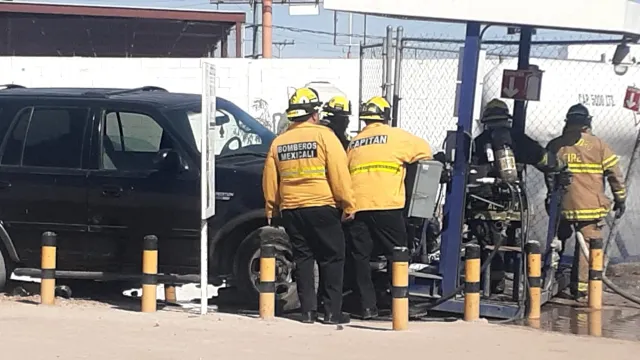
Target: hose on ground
x,y
605,280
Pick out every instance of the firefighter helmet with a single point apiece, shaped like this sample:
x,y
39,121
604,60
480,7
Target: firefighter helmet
x,y
578,114
303,102
375,109
338,106
496,113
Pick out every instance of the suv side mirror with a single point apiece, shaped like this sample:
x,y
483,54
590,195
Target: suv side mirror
x,y
169,160
222,119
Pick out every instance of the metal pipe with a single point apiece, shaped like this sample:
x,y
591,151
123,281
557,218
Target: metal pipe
x,y
397,77
267,27
524,54
364,33
384,67
371,46
362,48
389,78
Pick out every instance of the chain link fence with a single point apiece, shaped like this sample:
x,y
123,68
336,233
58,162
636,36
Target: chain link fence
x,y
576,69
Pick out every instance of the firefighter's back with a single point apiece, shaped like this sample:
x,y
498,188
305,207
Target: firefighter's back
x,y
376,162
301,155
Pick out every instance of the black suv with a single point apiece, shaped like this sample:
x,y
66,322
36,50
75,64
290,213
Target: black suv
x,y
104,167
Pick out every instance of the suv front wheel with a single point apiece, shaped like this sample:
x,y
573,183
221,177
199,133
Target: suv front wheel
x,y
4,273
247,268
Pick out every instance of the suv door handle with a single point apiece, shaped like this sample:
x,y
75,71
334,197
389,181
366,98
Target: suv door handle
x,y
4,185
111,191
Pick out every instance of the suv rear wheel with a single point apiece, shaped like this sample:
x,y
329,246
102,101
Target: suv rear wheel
x,y
247,268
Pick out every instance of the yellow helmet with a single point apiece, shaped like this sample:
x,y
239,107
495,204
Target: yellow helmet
x,y
376,109
337,105
304,101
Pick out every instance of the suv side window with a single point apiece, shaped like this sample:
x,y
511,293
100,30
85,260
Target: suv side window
x,y
47,137
130,141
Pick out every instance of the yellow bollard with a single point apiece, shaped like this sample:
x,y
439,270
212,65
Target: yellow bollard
x,y
149,273
596,264
400,288
534,270
472,282
170,296
267,281
534,323
48,269
595,323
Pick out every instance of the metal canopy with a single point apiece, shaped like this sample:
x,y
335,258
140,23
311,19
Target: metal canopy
x,y
605,16
39,29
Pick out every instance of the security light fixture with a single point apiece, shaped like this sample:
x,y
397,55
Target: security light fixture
x,y
622,51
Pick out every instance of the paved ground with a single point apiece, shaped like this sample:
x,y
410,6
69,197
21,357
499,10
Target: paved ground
x,y
83,330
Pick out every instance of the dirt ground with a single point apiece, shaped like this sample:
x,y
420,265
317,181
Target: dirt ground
x,y
85,330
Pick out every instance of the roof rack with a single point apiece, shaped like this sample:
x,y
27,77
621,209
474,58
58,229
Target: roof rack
x,y
126,91
12,86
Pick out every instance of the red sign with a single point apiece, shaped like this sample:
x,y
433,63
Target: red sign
x,y
632,99
521,84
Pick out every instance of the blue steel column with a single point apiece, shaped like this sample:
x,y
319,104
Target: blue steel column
x,y
456,196
524,53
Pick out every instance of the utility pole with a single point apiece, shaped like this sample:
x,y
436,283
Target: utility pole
x,y
282,44
267,23
254,5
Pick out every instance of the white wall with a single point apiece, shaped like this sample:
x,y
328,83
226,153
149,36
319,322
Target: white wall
x,y
261,87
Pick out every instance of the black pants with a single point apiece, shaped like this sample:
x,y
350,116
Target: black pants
x,y
380,228
316,234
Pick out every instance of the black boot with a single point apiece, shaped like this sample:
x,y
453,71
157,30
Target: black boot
x,y
309,317
336,319
368,314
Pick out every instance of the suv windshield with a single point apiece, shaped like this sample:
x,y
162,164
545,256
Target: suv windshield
x,y
236,131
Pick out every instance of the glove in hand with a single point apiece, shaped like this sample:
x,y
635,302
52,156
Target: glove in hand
x,y
619,208
564,178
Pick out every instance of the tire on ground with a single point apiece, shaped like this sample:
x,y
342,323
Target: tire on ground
x,y
4,273
247,258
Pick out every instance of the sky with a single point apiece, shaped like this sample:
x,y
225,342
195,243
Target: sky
x,y
313,35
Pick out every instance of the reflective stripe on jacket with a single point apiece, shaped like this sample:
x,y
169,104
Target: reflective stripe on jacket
x,y
306,166
376,162
590,160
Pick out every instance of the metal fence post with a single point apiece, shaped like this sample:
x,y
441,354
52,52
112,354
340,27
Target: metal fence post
x,y
388,84
395,107
384,67
360,76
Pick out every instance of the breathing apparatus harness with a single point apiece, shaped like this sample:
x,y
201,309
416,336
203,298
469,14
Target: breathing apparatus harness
x,y
500,155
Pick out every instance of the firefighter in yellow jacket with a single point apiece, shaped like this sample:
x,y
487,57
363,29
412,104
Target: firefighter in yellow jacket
x,y
377,158
585,205
306,180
